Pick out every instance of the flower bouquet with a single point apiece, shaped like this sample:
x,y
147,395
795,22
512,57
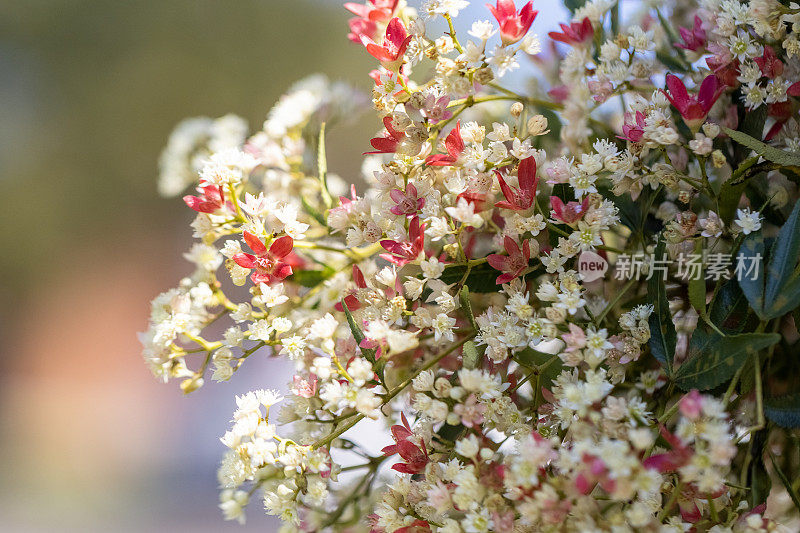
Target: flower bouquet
x,y
562,296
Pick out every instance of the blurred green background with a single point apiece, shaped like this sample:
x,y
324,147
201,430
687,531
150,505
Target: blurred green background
x,y
89,92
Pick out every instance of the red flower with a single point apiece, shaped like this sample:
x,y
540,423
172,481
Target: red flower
x,y
210,200
415,455
408,203
270,265
769,63
522,198
694,39
373,10
454,145
514,263
361,29
672,460
575,33
387,145
513,25
693,109
352,302
417,526
401,253
570,212
391,52
633,131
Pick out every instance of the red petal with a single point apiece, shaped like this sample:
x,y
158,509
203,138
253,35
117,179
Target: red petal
x,y
282,246
245,260
527,174
254,243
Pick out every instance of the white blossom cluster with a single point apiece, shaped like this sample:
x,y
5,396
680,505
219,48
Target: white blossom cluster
x,y
448,286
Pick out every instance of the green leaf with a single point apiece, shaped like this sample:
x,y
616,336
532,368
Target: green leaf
x,y
312,211
753,288
466,305
535,359
322,168
481,278
358,335
784,410
770,153
697,286
782,292
729,309
470,355
785,482
714,359
312,278
662,329
758,478
574,5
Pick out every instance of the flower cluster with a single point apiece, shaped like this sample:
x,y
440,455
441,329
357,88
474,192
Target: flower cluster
x,y
446,285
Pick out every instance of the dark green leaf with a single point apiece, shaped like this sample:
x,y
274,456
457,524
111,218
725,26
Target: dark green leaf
x,y
466,305
758,478
729,309
784,410
535,359
714,359
752,249
697,285
662,329
782,292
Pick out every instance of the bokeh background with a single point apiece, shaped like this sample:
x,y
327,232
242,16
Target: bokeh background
x,y
89,91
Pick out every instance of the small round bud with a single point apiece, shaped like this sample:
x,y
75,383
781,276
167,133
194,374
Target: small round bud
x,y
717,159
516,109
711,130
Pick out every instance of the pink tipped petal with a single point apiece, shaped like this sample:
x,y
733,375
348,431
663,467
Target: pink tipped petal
x,y
527,174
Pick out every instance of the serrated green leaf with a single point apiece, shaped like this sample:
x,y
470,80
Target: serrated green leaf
x,y
784,410
714,359
358,335
470,355
770,153
662,329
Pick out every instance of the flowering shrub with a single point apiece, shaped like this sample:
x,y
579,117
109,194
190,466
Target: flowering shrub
x,y
571,306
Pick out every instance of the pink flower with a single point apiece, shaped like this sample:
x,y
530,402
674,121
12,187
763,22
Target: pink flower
x,y
522,198
401,253
434,109
471,412
570,212
415,455
305,388
575,33
575,339
633,131
691,405
361,29
269,264
594,472
693,109
672,460
769,63
454,145
694,39
351,300
211,199
408,203
387,144
601,90
513,25
373,10
514,263
417,526
391,52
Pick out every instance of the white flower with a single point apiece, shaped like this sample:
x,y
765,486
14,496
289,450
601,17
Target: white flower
x,y
464,212
748,221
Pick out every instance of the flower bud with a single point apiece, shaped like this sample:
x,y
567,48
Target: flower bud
x,y
516,109
717,159
537,125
